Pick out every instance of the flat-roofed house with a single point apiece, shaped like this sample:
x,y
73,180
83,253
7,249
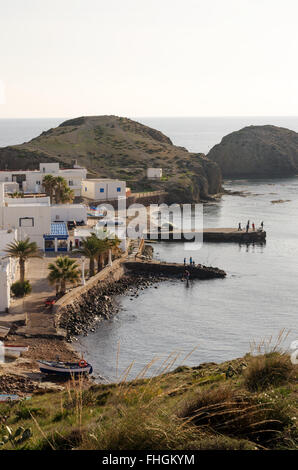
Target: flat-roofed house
x,y
30,181
101,189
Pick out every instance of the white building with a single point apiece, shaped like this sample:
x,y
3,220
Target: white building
x,y
8,267
30,181
69,212
103,189
154,173
34,217
30,218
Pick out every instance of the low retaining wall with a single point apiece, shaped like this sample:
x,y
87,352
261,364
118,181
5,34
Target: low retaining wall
x,y
107,275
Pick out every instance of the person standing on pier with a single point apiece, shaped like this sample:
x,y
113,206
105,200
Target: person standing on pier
x,y
262,225
187,276
239,227
184,261
253,226
247,226
190,260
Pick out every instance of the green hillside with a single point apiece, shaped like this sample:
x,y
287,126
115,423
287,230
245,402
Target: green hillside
x,y
117,147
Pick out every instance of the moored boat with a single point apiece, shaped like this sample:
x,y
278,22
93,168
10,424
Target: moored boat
x,y
65,368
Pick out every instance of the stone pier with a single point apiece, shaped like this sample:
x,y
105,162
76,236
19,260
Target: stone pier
x,y
174,269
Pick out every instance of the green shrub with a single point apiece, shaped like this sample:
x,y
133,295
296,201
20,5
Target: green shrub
x,y
20,289
58,441
26,413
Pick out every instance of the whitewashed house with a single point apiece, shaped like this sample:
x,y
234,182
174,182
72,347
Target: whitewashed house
x,y
98,189
34,217
30,181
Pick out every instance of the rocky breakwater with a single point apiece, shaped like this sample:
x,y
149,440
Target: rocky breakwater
x,y
198,271
86,312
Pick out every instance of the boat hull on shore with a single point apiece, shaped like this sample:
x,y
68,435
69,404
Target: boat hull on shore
x,y
64,368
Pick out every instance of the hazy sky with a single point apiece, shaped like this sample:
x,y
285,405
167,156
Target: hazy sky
x,y
62,58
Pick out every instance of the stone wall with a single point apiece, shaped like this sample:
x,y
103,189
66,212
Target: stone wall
x,y
104,277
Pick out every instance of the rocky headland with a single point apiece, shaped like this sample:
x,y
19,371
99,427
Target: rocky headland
x,y
257,152
117,147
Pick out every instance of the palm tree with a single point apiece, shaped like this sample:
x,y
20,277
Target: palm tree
x,y
114,243
90,249
63,270
22,250
103,247
67,195
56,187
49,183
63,193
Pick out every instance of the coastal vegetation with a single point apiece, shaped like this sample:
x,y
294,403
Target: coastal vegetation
x,y
20,289
208,407
64,270
117,147
90,249
96,247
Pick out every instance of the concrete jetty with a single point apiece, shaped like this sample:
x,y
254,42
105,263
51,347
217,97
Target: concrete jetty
x,y
174,269
218,235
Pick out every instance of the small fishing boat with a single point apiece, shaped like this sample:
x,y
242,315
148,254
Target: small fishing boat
x,y
65,368
14,350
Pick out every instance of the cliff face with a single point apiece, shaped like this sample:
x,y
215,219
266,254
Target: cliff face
x,y
257,152
116,147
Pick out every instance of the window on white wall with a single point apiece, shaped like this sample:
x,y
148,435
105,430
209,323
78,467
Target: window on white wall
x,y
26,222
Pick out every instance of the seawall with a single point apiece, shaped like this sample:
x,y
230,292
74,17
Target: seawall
x,y
100,282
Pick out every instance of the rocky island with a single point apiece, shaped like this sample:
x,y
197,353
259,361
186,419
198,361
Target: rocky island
x,y
257,152
117,147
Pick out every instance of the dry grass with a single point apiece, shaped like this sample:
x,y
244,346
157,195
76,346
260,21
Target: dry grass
x,y
270,370
232,413
184,409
